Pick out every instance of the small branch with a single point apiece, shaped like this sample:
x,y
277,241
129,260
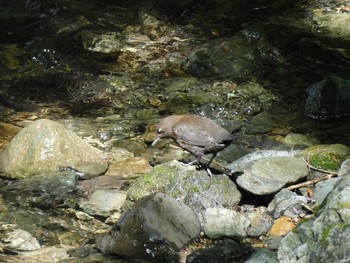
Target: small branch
x,y
311,182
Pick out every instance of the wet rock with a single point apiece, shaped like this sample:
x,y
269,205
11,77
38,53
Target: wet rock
x,y
7,132
263,256
236,57
326,157
45,254
288,203
328,99
129,168
294,139
87,171
43,146
326,235
269,175
42,190
20,240
155,229
105,43
194,187
104,202
261,123
226,250
103,182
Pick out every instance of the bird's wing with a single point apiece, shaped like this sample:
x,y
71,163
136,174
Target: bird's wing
x,y
189,135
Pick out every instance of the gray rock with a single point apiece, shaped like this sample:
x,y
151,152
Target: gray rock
x,y
155,229
20,240
194,187
104,202
269,175
221,222
287,203
43,190
226,250
263,256
323,188
43,146
248,158
344,168
260,123
325,236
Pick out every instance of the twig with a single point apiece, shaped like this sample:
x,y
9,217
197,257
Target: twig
x,y
311,182
329,175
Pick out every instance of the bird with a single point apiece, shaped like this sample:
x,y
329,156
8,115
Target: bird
x,y
196,134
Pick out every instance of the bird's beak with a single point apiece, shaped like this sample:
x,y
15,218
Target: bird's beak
x,y
155,141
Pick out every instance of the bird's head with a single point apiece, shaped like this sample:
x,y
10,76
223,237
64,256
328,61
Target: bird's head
x,y
165,127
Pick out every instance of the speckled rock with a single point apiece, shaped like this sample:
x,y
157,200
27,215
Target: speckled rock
x,y
43,146
155,229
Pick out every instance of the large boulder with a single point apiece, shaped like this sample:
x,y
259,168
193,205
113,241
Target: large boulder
x,y
155,229
44,146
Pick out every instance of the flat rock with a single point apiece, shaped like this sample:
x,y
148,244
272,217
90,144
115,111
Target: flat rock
x,y
269,175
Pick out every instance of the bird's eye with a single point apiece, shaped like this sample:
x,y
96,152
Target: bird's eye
x,y
160,131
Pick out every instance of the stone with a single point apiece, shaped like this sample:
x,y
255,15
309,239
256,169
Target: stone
x,y
43,146
155,229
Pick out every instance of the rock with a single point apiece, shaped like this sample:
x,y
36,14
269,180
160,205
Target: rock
x,y
104,202
328,99
326,235
224,222
326,157
103,182
225,250
194,187
287,203
235,57
45,254
344,168
106,43
248,158
323,188
294,139
43,146
263,256
129,168
282,226
87,171
269,175
20,240
155,229
260,123
42,190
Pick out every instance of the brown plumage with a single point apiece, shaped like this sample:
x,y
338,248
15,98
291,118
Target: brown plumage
x,y
197,134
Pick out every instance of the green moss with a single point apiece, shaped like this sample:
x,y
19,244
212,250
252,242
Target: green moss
x,y
328,162
325,235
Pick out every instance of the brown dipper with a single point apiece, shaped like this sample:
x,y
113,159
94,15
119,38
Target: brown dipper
x,y
197,134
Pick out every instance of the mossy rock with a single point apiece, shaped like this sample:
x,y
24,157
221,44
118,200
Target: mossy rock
x,y
326,157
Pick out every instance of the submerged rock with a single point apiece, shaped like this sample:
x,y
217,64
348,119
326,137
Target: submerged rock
x,y
328,99
43,146
155,229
